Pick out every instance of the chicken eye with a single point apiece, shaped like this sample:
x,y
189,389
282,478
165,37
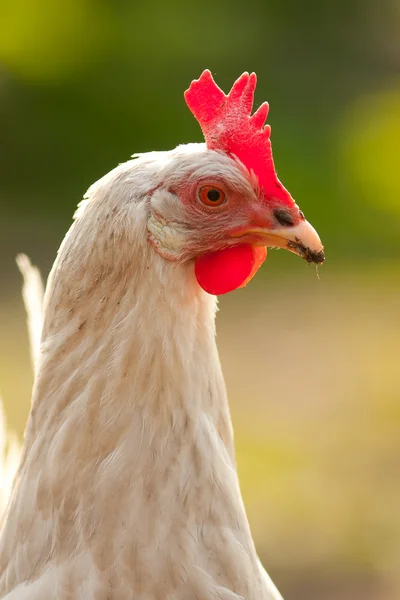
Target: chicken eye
x,y
211,196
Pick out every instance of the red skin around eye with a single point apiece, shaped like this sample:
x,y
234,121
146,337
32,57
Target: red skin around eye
x,y
227,270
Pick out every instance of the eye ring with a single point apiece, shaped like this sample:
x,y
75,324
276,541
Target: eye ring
x,y
210,195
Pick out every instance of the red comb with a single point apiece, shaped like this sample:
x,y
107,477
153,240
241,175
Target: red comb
x,y
228,125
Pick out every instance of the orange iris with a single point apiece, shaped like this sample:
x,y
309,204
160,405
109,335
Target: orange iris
x,y
211,195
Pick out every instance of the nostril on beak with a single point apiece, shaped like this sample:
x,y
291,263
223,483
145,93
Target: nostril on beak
x,y
283,217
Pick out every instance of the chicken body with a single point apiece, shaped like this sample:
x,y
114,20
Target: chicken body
x,y
127,487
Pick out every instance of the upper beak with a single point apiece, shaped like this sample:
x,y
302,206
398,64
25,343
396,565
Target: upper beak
x,y
302,239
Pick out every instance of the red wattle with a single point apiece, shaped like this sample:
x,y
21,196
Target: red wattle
x,y
226,270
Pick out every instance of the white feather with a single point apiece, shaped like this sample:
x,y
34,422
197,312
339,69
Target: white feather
x,y
10,450
128,486
32,293
10,453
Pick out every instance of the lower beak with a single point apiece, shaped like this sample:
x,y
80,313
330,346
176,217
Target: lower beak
x,y
302,239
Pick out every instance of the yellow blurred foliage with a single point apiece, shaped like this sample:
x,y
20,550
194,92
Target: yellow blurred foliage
x,y
369,143
44,41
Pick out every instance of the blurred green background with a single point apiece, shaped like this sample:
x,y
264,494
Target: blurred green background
x,y
311,364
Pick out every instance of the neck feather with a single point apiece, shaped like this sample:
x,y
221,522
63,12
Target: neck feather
x,y
128,457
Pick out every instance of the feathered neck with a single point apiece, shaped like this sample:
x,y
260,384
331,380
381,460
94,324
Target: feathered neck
x,y
128,482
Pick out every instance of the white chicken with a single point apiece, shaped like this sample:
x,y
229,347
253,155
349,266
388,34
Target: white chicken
x,y
127,487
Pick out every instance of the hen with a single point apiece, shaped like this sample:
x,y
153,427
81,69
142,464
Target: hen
x,y
127,487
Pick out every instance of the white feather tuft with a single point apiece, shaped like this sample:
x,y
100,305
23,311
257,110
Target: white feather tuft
x,y
10,453
32,293
10,448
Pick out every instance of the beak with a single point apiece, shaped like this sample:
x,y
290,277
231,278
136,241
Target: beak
x,y
302,239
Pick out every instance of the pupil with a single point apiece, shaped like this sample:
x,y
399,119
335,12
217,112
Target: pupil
x,y
213,195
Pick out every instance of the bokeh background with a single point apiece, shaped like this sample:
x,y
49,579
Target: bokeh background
x,y
312,365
